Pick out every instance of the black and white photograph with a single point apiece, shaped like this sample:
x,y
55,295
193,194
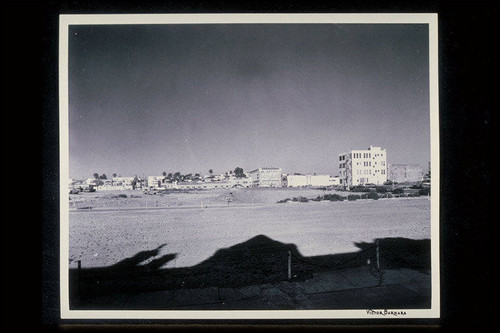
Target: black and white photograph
x,y
249,166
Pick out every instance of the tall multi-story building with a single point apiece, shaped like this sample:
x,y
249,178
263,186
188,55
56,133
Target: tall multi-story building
x,y
361,167
266,177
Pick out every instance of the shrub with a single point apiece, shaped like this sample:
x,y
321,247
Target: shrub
x,y
317,199
372,195
303,199
424,191
122,195
381,189
360,189
284,200
353,197
416,187
398,191
333,197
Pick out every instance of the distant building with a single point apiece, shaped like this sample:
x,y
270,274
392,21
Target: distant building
x,y
123,181
295,181
311,180
406,173
324,180
266,177
361,167
240,181
155,181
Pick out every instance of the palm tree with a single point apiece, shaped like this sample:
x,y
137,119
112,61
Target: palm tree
x,y
210,171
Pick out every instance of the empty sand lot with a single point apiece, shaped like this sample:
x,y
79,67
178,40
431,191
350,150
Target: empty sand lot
x,y
194,225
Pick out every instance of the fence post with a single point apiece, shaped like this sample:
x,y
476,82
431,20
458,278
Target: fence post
x,y
79,280
289,265
378,255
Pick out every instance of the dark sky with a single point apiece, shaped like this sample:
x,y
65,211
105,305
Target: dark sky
x,y
151,98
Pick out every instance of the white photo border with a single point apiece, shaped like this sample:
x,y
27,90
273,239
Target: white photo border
x,y
65,21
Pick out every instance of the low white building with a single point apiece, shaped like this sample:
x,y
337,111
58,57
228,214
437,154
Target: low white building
x,y
406,173
311,180
266,177
155,181
225,184
296,181
207,185
324,180
240,181
123,181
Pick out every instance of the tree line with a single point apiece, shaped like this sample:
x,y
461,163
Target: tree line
x,y
176,176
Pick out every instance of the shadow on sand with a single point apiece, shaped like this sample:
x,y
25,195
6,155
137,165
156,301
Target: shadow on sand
x,y
256,261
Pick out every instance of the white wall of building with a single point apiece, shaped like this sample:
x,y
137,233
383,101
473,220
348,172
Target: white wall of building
x,y
402,173
266,177
360,167
296,180
311,180
155,181
321,180
123,181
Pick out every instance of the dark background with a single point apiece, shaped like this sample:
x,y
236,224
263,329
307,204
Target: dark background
x,y
468,37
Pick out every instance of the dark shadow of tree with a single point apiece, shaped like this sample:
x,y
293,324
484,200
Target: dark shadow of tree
x,y
258,260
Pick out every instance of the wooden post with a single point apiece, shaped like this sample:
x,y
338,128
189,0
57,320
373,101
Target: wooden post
x,y
79,280
289,265
378,256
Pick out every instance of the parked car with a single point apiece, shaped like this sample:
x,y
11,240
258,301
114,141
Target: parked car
x,y
151,191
